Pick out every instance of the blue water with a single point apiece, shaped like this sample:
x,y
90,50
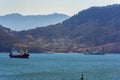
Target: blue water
x,y
60,67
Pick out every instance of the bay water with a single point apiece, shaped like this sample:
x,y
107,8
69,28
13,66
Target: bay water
x,y
60,67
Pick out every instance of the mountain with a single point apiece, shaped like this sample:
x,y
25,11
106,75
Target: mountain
x,y
19,22
96,25
93,28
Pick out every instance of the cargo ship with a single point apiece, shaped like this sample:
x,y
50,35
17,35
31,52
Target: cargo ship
x,y
20,54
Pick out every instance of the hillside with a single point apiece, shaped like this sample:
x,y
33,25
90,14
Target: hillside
x,y
91,28
96,25
19,22
7,40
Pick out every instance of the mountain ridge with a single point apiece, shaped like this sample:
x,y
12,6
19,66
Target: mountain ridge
x,y
95,26
93,29
19,22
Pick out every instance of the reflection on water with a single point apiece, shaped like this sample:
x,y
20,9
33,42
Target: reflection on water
x,y
60,67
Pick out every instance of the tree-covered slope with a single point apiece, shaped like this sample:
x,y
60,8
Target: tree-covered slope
x,y
95,26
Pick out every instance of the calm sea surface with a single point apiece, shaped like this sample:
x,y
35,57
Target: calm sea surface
x,y
60,67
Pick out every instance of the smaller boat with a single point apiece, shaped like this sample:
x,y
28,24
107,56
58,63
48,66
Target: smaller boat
x,y
20,54
96,52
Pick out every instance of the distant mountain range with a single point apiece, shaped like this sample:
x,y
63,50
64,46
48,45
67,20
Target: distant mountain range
x,y
19,22
92,29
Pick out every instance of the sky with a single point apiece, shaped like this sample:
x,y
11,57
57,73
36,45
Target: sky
x,y
44,7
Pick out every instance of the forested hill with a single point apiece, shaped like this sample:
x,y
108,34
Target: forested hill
x,y
95,26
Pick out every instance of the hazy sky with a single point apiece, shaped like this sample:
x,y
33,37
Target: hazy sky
x,y
30,7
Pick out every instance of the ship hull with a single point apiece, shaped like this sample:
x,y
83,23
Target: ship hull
x,y
19,56
95,53
98,53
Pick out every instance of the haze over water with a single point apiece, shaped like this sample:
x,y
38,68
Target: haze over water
x,y
60,67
